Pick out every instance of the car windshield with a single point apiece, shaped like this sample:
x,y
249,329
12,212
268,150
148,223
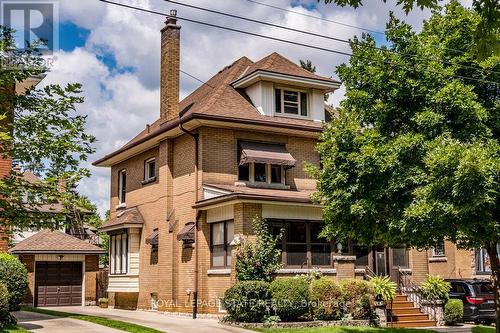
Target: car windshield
x,y
483,288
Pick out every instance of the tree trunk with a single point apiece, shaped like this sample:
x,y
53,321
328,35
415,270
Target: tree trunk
x,y
495,274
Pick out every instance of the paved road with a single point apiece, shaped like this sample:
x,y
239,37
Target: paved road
x,y
160,321
42,323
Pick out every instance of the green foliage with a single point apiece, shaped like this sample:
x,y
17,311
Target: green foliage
x,y
247,301
102,300
15,277
414,157
290,297
43,133
307,65
435,288
383,288
357,298
258,260
326,298
5,317
453,311
407,4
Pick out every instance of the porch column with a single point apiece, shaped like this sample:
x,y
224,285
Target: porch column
x,y
345,266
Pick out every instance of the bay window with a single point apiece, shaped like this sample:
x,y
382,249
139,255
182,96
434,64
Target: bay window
x,y
118,253
221,235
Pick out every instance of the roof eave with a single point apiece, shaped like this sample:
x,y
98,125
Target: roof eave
x,y
224,199
101,251
328,85
120,226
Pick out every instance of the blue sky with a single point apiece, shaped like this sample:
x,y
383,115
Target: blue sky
x,y
114,53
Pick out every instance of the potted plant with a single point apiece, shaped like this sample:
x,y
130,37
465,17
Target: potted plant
x,y
384,289
103,302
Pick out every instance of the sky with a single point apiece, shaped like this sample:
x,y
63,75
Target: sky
x,y
115,53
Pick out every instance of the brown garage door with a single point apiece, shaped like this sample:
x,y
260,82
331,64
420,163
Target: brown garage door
x,y
58,283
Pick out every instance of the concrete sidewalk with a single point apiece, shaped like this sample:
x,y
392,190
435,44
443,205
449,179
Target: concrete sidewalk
x,y
158,320
42,323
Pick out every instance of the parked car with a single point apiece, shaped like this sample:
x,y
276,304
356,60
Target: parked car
x,y
478,297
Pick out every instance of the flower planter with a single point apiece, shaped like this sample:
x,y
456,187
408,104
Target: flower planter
x,y
103,305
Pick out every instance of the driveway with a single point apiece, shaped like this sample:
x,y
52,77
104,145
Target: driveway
x,y
158,320
42,323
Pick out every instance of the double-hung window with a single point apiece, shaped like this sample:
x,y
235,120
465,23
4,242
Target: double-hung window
x,y
122,186
290,102
118,253
222,234
438,250
150,169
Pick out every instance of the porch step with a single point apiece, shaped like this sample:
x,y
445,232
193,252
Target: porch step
x,y
413,323
402,313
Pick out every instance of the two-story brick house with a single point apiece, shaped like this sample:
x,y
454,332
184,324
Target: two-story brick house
x,y
184,187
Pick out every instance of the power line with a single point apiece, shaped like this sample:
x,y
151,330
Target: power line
x,y
197,79
316,17
322,36
331,21
273,38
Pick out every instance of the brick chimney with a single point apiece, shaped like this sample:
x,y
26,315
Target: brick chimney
x,y
170,66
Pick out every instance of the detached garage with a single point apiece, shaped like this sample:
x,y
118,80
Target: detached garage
x,y
62,269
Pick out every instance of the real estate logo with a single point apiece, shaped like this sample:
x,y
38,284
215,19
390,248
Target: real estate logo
x,y
35,24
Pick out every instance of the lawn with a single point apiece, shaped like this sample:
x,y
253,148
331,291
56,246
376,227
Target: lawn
x,y
119,325
343,330
13,329
483,329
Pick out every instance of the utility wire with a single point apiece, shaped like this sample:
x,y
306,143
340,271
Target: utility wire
x,y
316,17
331,21
197,79
274,38
323,36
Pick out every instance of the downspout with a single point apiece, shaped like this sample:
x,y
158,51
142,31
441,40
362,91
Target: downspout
x,y
196,247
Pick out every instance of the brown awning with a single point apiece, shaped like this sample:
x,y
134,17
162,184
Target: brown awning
x,y
257,152
187,233
153,238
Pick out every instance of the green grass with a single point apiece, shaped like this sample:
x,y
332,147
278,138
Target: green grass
x,y
341,330
13,329
117,324
483,329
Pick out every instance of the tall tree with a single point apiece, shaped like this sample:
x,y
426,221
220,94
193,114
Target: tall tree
x,y
43,133
307,65
487,43
415,156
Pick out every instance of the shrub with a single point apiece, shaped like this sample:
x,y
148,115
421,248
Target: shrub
x,y
325,299
247,301
258,260
15,277
453,311
102,300
5,317
435,288
290,297
383,288
357,296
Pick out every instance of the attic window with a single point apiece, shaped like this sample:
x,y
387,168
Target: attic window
x,y
290,102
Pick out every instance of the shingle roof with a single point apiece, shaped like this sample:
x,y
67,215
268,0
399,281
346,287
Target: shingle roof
x,y
276,63
218,99
125,217
244,192
48,241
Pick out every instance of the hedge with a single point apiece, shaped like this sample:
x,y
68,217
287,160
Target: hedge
x,y
247,301
326,297
15,277
290,297
453,311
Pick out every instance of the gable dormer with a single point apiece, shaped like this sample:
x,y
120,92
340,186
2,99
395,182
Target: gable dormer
x,y
280,88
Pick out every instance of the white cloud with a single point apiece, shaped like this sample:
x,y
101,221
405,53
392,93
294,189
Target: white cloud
x,y
120,103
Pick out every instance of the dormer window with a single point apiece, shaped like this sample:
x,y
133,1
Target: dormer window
x,y
290,102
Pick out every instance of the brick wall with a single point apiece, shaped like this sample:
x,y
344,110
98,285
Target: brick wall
x,y
29,262
91,270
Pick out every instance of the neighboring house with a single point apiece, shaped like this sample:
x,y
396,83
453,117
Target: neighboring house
x,y
184,187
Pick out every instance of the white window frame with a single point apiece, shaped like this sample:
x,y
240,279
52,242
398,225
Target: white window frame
x,y
439,254
283,113
121,198
147,162
251,175
118,253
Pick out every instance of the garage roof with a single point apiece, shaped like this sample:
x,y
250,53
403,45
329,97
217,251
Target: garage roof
x,y
55,242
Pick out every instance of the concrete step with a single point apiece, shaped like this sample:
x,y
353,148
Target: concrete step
x,y
413,323
410,317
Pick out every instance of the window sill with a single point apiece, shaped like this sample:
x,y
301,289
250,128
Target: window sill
x,y
148,181
219,271
278,186
306,270
438,259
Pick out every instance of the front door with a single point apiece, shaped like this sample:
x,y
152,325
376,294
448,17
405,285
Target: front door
x,y
58,283
380,262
